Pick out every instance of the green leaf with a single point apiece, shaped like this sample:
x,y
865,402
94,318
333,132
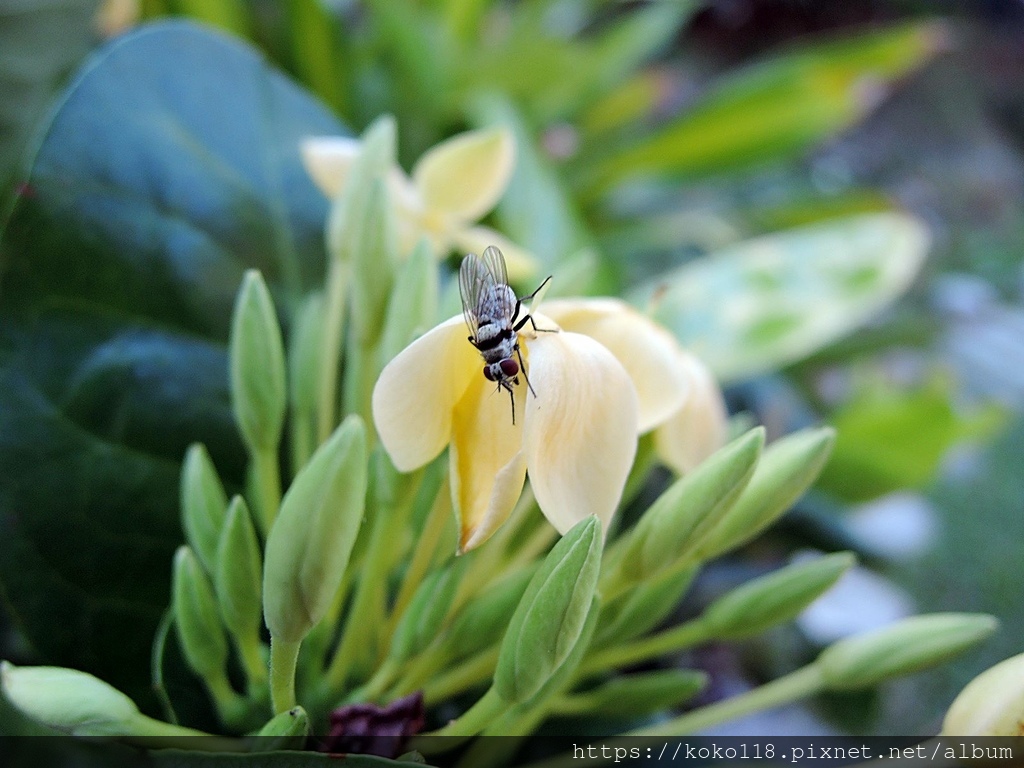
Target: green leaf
x,y
536,212
230,15
764,303
170,166
775,108
587,67
889,439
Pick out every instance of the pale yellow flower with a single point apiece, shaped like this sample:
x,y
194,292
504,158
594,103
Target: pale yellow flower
x,y
116,16
992,704
576,438
453,185
679,398
700,427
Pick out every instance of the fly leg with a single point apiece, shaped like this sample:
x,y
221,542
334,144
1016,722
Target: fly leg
x,y
511,397
522,368
528,317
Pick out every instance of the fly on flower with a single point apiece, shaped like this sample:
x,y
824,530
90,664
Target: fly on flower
x,y
491,310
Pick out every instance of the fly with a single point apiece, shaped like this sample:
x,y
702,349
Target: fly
x,y
491,310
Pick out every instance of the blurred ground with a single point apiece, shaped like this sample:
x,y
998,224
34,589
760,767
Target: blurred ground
x,y
948,145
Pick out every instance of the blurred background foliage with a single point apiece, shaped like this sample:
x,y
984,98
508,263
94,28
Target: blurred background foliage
x,y
652,133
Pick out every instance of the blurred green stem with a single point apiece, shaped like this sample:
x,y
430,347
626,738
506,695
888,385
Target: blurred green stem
x,y
230,705
361,622
360,376
670,641
252,660
268,482
466,675
302,426
473,720
416,673
334,318
423,554
797,685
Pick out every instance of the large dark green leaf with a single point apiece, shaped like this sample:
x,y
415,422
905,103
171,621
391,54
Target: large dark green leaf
x,y
170,166
174,758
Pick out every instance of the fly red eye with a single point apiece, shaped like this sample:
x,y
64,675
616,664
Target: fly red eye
x,y
487,373
509,367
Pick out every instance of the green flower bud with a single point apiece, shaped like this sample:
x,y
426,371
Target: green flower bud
x,y
68,700
238,577
906,646
361,230
674,525
786,470
632,696
196,617
428,608
551,614
203,504
412,308
992,704
310,542
287,730
483,621
258,394
775,598
643,607
525,716
376,158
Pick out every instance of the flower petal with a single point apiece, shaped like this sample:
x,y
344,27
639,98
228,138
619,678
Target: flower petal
x,y
649,353
328,160
416,393
464,176
700,427
486,460
521,265
580,435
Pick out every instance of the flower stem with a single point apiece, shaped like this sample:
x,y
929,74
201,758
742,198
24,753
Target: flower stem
x,y
334,318
532,548
463,677
302,427
474,719
360,376
268,484
252,660
146,732
426,547
230,705
797,685
414,675
283,658
671,640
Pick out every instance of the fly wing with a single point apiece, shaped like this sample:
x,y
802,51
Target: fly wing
x,y
505,299
483,285
474,279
